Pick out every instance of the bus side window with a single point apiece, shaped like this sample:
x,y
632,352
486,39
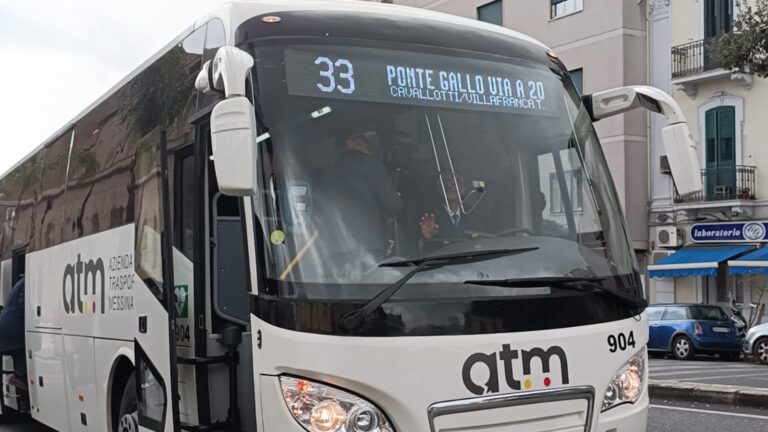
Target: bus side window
x,y
184,187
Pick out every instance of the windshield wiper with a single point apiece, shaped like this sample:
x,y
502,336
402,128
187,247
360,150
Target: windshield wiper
x,y
563,282
352,319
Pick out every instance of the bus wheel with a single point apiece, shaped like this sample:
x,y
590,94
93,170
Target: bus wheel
x,y
128,420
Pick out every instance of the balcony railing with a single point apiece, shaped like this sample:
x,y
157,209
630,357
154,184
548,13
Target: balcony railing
x,y
693,58
721,184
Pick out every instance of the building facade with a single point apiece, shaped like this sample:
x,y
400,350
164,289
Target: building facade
x,y
695,240
604,45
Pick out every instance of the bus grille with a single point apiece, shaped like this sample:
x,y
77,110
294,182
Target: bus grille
x,y
564,410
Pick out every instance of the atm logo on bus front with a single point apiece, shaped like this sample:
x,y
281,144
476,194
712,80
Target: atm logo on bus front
x,y
83,287
512,361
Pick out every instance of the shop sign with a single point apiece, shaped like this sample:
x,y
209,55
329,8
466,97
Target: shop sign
x,y
730,232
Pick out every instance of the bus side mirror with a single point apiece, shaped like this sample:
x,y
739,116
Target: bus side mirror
x,y
233,120
678,143
683,158
233,139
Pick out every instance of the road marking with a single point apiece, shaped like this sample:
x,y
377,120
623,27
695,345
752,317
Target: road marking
x,y
681,367
659,374
717,377
709,366
754,416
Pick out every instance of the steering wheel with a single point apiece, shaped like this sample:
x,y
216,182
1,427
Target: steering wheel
x,y
514,232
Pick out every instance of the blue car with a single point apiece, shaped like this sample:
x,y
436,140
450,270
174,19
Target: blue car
x,y
688,329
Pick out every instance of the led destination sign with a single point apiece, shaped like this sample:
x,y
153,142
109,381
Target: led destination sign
x,y
420,79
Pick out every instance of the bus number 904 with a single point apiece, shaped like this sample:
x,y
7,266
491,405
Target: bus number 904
x,y
621,342
182,333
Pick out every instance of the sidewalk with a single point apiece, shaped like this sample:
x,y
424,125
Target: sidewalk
x,y
710,380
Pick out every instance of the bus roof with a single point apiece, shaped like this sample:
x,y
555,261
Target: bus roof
x,y
235,12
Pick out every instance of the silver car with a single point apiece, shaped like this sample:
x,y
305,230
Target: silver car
x,y
756,343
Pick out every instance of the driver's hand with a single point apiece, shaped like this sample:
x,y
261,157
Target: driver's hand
x,y
428,226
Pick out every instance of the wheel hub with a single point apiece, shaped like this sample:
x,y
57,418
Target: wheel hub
x,y
128,423
682,347
762,351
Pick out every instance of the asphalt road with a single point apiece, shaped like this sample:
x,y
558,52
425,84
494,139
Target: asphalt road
x,y
675,417
711,370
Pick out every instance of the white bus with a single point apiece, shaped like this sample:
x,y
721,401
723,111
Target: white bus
x,y
333,216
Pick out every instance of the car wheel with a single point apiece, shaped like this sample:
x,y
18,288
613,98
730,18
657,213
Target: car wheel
x,y
760,351
128,417
682,348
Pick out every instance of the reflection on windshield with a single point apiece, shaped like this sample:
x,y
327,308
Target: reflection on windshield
x,y
350,184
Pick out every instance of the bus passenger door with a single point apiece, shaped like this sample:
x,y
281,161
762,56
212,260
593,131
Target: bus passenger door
x,y
224,253
155,353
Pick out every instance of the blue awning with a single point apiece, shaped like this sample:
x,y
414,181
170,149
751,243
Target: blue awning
x,y
695,261
755,263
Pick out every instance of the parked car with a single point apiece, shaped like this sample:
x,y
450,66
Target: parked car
x,y
756,343
688,329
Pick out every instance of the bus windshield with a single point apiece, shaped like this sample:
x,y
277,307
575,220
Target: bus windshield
x,y
382,154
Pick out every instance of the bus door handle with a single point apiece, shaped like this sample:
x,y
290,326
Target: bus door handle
x,y
143,324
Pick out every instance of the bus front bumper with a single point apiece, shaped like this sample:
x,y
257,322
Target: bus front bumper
x,y
625,418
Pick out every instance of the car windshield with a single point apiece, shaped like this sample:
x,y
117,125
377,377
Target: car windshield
x,y
371,155
708,313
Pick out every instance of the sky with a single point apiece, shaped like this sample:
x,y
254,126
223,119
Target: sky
x,y
58,56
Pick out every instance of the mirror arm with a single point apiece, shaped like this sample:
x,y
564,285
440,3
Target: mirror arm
x,y
226,74
616,101
678,143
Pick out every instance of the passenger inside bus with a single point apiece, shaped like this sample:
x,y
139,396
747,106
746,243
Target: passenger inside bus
x,y
12,333
359,184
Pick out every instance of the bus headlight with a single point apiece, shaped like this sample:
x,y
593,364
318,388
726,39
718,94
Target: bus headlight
x,y
626,386
322,408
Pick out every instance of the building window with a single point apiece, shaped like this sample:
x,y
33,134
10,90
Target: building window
x,y
491,12
565,7
577,76
720,147
575,182
718,17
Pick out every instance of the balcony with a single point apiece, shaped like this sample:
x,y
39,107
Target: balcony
x,y
693,62
692,58
724,184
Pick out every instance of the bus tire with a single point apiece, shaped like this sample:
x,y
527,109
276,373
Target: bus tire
x,y
128,418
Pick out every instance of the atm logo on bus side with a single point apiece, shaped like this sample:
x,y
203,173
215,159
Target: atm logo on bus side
x,y
508,359
84,279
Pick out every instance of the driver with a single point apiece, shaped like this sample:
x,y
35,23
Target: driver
x,y
445,219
